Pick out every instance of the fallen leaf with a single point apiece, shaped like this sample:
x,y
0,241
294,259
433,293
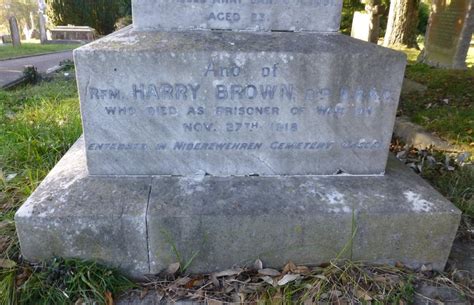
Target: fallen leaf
x,y
269,272
268,280
173,268
79,302
402,155
143,293
301,270
194,283
399,265
215,281
7,263
181,281
214,302
109,300
363,295
317,270
22,277
10,177
321,277
196,295
288,278
335,293
229,272
258,264
426,268
289,267
308,302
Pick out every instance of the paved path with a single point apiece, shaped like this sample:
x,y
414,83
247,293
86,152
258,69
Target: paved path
x,y
11,70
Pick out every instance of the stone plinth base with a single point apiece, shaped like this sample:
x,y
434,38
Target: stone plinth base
x,y
139,223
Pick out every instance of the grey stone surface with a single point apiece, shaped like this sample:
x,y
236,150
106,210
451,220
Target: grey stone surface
x,y
308,220
260,15
449,34
418,137
332,110
462,255
411,86
404,220
234,220
75,215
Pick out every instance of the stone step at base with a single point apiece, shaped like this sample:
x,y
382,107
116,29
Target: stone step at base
x,y
138,224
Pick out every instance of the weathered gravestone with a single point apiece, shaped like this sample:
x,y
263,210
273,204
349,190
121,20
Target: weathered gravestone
x,y
449,34
15,32
366,24
227,146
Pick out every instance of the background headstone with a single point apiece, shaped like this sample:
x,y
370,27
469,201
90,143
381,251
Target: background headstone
x,y
449,34
15,32
366,24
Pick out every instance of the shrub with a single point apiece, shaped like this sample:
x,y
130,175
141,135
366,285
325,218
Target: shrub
x,y
98,14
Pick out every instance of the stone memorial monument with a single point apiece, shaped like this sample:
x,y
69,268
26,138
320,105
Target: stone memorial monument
x,y
234,130
449,34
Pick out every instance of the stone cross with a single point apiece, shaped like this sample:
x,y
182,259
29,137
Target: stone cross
x,y
449,34
15,32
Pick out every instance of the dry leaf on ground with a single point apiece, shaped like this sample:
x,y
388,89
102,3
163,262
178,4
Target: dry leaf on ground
x,y
269,272
229,272
173,268
258,264
7,263
289,267
109,300
288,278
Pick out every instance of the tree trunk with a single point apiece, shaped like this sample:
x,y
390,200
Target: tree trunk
x,y
402,23
42,21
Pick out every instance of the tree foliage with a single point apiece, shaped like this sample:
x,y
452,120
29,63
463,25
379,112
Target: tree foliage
x,y
21,9
98,14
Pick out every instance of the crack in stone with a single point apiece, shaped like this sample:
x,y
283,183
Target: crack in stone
x,y
266,164
146,225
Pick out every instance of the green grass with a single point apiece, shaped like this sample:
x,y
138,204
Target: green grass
x,y
447,107
66,281
8,51
38,124
457,186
